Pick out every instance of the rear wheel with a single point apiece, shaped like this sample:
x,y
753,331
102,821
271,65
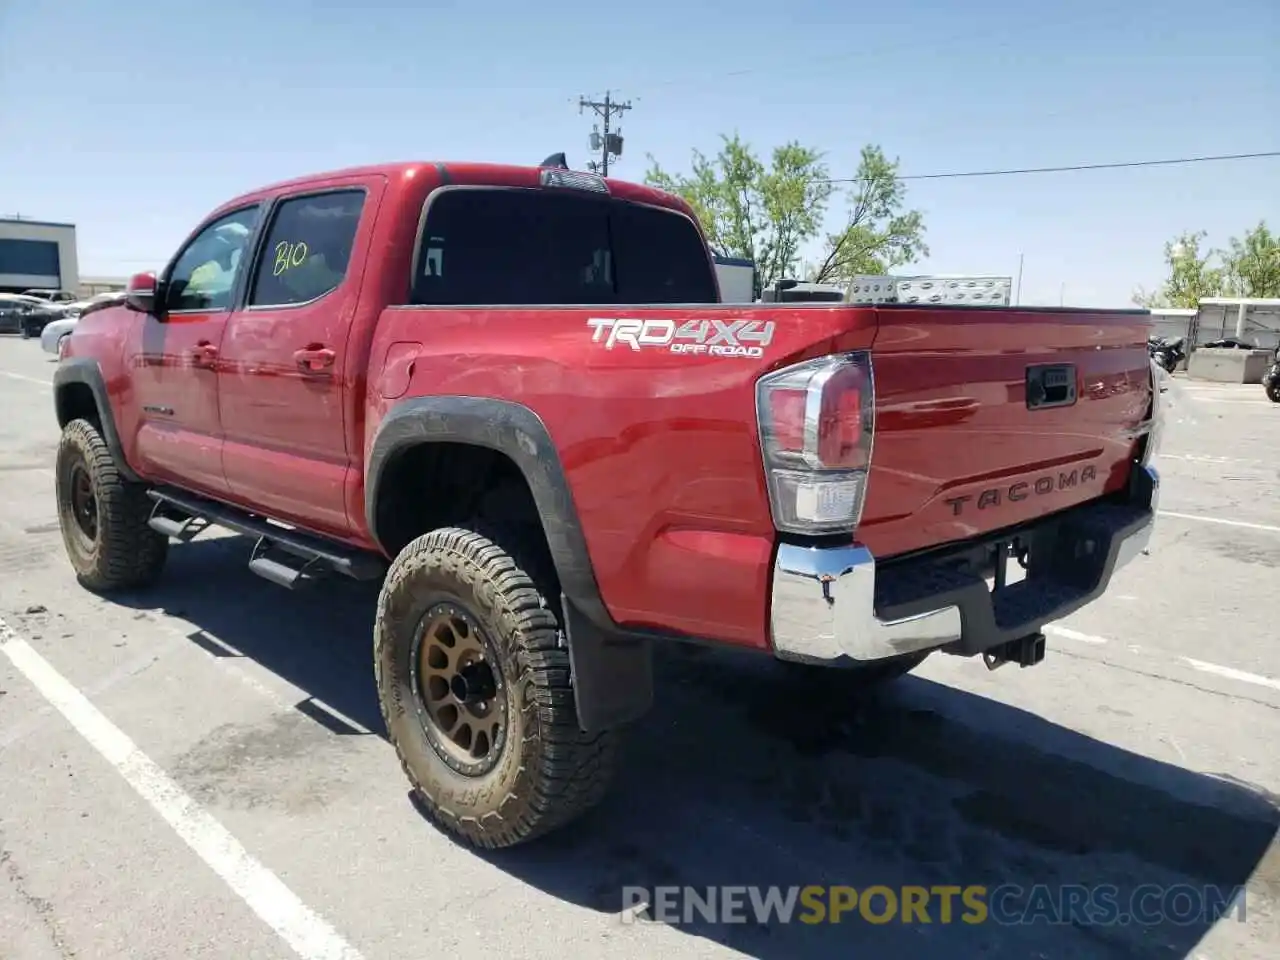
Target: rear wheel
x,y
1273,391
103,517
473,677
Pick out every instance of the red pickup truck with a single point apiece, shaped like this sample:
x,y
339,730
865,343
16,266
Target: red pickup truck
x,y
512,396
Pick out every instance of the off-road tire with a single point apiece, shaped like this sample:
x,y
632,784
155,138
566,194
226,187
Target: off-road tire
x,y
548,772
125,553
1273,391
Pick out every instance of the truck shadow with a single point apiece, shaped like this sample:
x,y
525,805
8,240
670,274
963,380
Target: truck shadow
x,y
744,776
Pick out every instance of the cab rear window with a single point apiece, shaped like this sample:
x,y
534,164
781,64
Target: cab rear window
x,y
531,247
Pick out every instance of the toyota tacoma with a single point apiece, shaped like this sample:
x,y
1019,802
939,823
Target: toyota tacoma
x,y
513,397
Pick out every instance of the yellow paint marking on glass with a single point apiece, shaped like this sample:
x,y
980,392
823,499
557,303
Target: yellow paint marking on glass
x,y
289,255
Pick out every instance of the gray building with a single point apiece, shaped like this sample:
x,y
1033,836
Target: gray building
x,y
37,254
92,286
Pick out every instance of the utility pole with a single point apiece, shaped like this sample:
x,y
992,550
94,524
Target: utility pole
x,y
608,142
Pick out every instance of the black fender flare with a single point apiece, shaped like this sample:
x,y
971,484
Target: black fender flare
x,y
85,371
611,668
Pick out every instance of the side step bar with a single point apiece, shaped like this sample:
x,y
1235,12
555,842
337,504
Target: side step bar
x,y
282,555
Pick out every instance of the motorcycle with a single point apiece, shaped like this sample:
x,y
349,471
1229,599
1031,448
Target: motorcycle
x,y
1167,353
1271,379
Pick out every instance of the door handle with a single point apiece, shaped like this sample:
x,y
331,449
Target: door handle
x,y
204,354
315,358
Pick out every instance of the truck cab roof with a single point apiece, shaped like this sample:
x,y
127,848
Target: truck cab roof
x,y
462,172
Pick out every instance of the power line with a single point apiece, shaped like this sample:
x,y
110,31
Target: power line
x,y
1064,169
1173,161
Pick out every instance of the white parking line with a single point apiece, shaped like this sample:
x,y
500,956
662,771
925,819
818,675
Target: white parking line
x,y
18,376
1202,518
1206,458
1069,634
1232,674
36,719
310,936
1257,400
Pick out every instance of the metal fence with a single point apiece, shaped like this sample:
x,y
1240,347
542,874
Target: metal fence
x,y
1218,321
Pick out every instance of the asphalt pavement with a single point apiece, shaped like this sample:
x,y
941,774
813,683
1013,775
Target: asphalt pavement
x,y
199,770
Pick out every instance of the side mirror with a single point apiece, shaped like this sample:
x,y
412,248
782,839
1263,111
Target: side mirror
x,y
140,294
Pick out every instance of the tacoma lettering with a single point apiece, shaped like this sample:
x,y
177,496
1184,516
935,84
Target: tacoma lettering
x,y
994,496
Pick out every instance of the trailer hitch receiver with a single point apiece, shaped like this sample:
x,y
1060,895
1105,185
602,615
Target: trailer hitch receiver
x,y
1025,652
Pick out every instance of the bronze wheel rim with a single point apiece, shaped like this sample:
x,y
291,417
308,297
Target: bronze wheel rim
x,y
84,503
459,690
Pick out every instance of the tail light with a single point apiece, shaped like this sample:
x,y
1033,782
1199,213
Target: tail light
x,y
817,422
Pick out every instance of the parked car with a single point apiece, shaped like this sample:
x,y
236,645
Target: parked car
x,y
37,318
15,306
510,396
51,296
41,316
55,333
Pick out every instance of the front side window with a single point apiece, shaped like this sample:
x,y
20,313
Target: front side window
x,y
204,276
308,248
530,247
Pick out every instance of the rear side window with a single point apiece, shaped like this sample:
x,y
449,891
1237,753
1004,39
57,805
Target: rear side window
x,y
530,247
661,257
308,248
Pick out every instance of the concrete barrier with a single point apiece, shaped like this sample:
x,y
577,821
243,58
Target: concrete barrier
x,y
1228,366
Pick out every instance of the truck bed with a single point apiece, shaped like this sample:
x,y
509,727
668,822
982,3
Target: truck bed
x,y
652,412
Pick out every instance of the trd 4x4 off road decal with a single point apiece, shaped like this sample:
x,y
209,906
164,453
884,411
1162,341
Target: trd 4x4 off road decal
x,y
715,338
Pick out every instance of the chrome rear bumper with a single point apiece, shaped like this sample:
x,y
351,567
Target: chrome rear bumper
x,y
823,606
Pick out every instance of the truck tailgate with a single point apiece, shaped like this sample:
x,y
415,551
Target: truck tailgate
x,y
988,418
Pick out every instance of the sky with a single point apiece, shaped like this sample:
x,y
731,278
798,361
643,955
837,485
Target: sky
x,y
133,119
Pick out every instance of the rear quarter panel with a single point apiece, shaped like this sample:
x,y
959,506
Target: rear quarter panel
x,y
660,449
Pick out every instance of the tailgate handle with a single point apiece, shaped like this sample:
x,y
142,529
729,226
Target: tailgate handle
x,y
1051,385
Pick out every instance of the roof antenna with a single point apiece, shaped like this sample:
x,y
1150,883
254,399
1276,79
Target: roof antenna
x,y
555,160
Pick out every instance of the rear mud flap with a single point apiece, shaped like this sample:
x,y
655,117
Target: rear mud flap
x,y
612,672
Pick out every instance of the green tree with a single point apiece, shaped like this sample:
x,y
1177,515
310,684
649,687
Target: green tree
x,y
769,212
1191,275
878,234
1251,265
